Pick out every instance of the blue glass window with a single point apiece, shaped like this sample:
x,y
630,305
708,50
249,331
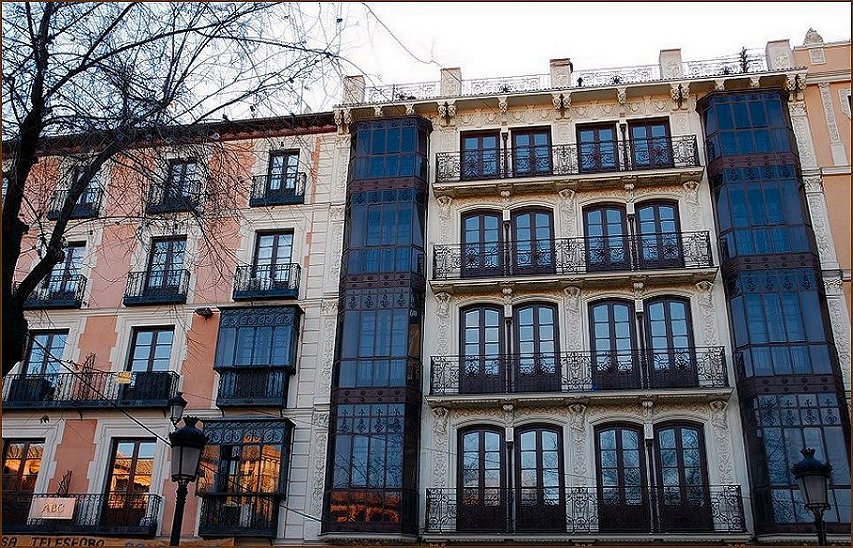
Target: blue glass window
x,y
258,337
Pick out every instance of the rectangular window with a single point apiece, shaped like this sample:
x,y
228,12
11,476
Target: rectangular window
x,y
21,465
150,349
597,148
282,170
258,337
166,263
90,194
481,158
182,180
273,251
45,353
65,276
651,146
129,482
369,446
531,152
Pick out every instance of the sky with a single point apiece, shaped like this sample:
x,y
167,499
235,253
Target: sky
x,y
488,39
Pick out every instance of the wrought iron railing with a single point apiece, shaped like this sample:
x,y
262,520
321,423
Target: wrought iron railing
x,y
564,256
157,287
288,189
267,281
165,198
695,367
253,386
58,291
239,514
89,390
753,61
709,509
370,510
118,514
88,204
567,159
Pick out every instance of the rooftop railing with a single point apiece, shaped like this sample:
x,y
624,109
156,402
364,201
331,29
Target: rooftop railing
x,y
753,62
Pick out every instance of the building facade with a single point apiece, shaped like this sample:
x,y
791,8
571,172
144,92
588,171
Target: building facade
x,y
603,305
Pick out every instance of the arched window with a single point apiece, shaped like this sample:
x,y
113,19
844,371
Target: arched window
x,y
537,347
606,234
481,483
658,234
483,354
684,502
533,241
621,480
540,498
671,353
482,247
612,332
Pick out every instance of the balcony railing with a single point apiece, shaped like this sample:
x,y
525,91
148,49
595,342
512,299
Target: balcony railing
x,y
157,287
715,509
113,514
698,367
569,159
753,62
247,386
239,515
87,206
58,291
568,256
171,200
279,191
89,390
370,510
267,282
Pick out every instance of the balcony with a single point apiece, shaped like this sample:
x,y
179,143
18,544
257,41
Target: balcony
x,y
170,200
578,511
293,191
57,291
132,515
156,287
239,515
613,375
90,390
267,282
87,206
253,386
575,261
589,165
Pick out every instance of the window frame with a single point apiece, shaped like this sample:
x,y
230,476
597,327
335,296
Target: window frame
x,y
532,152
51,333
20,472
287,181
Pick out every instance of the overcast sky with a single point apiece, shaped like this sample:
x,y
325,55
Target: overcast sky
x,y
489,39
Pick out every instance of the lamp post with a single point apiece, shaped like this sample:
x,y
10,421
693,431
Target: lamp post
x,y
813,477
187,445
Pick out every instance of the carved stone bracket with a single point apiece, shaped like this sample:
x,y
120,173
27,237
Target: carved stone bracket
x,y
705,298
722,441
755,81
320,422
447,111
343,118
679,93
444,216
648,419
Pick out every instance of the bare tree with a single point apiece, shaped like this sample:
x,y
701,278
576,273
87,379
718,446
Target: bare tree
x,y
105,84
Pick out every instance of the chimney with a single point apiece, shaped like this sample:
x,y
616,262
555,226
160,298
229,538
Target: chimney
x,y
779,55
561,73
451,82
353,89
671,67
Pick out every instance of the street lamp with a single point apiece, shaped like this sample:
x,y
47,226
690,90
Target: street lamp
x,y
813,477
187,445
176,407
